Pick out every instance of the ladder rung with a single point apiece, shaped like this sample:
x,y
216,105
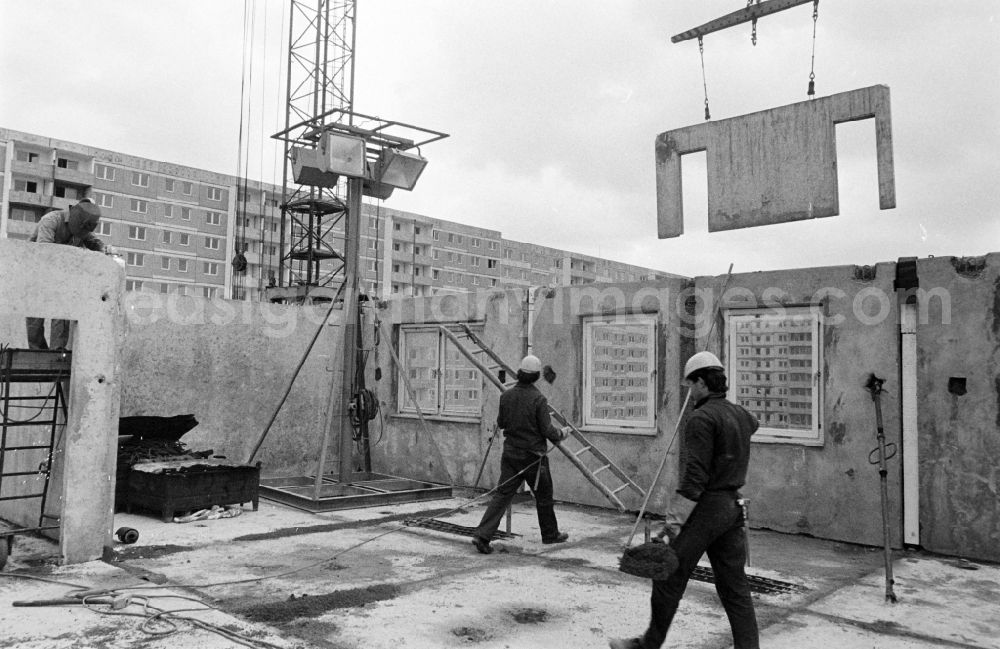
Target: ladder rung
x,y
582,450
599,469
23,448
614,491
24,497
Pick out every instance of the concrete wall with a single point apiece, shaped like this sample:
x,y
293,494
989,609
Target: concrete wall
x,y
79,285
958,336
229,363
830,491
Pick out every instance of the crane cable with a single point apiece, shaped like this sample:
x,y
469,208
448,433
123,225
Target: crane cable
x,y
246,88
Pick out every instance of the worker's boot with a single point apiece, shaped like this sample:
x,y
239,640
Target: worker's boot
x,y
561,537
482,545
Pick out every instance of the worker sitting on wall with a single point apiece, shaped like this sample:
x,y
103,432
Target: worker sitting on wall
x,y
70,227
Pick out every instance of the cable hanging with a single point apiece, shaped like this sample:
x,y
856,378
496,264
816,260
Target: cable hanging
x,y
812,64
704,82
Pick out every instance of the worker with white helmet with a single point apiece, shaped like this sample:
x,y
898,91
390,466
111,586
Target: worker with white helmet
x,y
527,428
704,515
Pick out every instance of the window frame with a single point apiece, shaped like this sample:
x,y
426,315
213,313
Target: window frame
x,y
140,176
646,425
102,171
813,436
440,374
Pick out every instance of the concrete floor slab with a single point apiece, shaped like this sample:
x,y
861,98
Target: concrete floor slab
x,y
353,579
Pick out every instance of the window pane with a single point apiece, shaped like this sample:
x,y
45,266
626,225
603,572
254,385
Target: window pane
x,y
619,359
461,382
419,355
772,366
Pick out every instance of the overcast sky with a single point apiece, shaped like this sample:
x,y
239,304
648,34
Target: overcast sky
x,y
552,107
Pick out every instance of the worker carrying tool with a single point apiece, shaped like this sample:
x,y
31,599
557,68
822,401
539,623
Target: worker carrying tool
x,y
70,227
704,514
524,417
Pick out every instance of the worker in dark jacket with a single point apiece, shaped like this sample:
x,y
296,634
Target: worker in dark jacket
x,y
70,227
527,428
704,515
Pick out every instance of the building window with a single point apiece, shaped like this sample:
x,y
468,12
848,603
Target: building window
x,y
784,390
373,244
104,200
210,268
475,242
182,265
619,359
182,290
139,206
104,172
184,239
395,247
134,258
27,186
491,263
168,184
443,380
416,229
493,245
208,292
27,156
435,273
493,282
186,213
213,218
168,211
372,223
28,216
62,191
165,263
187,188
212,243
214,194
104,227
166,235
133,285
164,288
436,235
137,232
140,179
66,163
396,226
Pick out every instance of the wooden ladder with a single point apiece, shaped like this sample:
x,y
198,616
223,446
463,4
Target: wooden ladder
x,y
507,378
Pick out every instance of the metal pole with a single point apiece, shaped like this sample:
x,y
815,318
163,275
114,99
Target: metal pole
x,y
352,240
874,386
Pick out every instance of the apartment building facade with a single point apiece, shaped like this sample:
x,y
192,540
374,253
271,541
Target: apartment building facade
x,y
179,228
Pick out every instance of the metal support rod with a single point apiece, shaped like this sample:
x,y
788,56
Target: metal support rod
x,y
352,240
874,386
745,15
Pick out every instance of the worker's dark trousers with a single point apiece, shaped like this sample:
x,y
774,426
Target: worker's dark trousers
x,y
714,527
59,337
536,474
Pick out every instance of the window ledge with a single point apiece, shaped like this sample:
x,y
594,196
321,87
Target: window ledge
x,y
454,419
613,430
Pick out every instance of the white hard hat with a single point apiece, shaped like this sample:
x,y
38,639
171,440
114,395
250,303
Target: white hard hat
x,y
530,364
700,361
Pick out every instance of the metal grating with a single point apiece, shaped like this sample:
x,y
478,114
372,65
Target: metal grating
x,y
451,528
761,585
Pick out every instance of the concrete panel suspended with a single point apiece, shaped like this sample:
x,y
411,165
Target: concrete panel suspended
x,y
773,166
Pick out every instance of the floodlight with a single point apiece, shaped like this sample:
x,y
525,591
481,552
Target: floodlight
x,y
399,169
306,169
342,154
